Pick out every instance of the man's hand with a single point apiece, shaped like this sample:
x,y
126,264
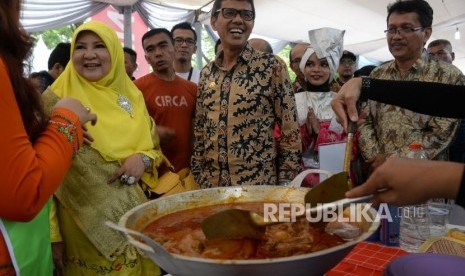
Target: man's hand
x,y
165,135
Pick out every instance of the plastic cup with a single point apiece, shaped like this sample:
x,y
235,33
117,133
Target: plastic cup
x,y
439,217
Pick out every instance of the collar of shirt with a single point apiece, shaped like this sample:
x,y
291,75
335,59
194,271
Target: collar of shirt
x,y
245,56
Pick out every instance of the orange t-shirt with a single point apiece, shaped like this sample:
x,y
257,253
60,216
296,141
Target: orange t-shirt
x,y
172,104
29,173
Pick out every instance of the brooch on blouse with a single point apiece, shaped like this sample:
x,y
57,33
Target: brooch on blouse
x,y
125,104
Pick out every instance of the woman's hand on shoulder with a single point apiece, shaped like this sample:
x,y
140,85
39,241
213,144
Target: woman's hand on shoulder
x,y
84,113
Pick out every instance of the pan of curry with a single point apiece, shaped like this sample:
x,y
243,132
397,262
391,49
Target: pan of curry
x,y
291,249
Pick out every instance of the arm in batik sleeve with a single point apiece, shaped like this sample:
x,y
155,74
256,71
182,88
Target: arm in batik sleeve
x,y
198,147
367,140
439,136
290,145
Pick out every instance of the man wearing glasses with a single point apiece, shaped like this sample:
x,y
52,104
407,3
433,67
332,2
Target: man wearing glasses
x,y
185,39
295,56
241,95
345,70
389,129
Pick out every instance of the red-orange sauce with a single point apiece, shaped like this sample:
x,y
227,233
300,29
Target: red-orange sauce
x,y
180,233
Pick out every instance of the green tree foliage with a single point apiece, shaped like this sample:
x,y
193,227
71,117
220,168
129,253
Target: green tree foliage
x,y
54,36
284,54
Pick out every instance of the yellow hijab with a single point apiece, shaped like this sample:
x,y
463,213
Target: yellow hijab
x,y
116,135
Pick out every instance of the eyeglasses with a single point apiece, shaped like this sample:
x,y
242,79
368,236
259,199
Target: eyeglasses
x,y
347,62
180,41
230,13
402,30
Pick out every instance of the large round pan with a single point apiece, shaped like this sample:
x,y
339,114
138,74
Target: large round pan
x,y
316,263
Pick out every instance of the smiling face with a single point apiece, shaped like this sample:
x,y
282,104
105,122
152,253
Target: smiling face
x,y
407,47
317,71
159,52
234,32
91,57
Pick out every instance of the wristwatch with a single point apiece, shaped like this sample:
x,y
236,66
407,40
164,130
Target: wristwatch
x,y
148,162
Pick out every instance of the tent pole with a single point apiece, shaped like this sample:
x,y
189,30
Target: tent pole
x,y
198,30
127,12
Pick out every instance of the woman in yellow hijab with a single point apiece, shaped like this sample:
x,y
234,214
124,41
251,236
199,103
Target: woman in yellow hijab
x,y
125,151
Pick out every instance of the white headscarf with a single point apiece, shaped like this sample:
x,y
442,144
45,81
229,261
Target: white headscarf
x,y
325,43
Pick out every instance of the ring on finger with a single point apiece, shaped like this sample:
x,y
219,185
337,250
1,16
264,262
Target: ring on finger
x,y
124,178
131,180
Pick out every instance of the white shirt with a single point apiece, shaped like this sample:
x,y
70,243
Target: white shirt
x,y
194,77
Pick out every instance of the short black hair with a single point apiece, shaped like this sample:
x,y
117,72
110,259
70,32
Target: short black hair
x,y
420,7
61,55
184,26
131,52
438,42
156,31
349,55
217,6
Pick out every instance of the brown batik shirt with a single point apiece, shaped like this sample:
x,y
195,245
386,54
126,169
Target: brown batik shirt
x,y
391,129
235,117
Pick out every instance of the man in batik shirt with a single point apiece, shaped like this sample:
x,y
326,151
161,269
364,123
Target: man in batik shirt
x,y
390,129
241,95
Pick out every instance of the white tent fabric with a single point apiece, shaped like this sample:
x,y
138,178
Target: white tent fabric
x,y
278,20
159,16
38,15
40,56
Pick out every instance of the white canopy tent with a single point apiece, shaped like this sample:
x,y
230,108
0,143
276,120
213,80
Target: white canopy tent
x,y
279,20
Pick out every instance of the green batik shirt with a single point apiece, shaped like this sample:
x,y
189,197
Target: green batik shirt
x,y
235,118
391,129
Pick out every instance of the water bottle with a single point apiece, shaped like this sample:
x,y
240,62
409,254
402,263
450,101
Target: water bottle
x,y
416,151
414,221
